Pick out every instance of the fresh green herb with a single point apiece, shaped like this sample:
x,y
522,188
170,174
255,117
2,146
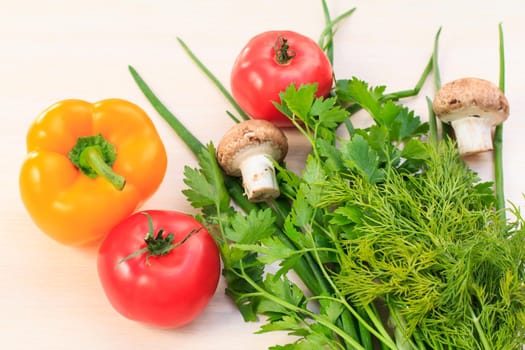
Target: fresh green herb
x,y
326,40
189,139
353,108
433,248
215,81
432,119
498,133
435,62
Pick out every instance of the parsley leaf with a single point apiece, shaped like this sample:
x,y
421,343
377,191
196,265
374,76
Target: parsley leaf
x,y
357,91
251,228
206,184
359,156
320,116
297,101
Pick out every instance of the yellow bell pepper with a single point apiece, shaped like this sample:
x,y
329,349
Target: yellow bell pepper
x,y
89,166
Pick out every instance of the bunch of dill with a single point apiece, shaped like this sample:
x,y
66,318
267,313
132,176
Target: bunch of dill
x,y
431,246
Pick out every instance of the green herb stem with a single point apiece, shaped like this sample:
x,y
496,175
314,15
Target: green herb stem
x,y
214,79
403,341
479,330
305,268
233,117
295,309
281,208
432,122
394,96
324,44
498,169
186,136
370,321
326,40
498,135
307,271
435,61
236,192
446,129
363,325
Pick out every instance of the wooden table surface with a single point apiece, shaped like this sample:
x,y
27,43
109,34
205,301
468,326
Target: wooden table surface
x,y
50,296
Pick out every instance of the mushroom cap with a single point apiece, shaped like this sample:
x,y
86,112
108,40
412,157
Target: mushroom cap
x,y
471,97
250,137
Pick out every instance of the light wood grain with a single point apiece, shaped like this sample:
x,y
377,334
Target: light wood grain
x,y
50,297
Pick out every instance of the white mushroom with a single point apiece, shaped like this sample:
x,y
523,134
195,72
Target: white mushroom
x,y
249,149
472,106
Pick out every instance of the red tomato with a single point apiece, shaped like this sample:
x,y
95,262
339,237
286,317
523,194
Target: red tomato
x,y
167,290
269,63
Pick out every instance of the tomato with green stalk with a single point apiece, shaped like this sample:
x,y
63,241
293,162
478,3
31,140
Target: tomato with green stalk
x,y
159,267
269,63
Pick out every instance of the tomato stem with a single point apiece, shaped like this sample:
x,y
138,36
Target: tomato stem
x,y
283,53
158,244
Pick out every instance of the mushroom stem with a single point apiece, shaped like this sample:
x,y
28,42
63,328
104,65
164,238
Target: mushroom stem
x,y
473,134
258,176
249,149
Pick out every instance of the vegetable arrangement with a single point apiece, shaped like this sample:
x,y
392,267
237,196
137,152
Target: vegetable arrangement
x,y
90,166
385,239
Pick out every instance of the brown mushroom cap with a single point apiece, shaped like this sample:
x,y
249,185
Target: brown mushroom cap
x,y
250,137
471,96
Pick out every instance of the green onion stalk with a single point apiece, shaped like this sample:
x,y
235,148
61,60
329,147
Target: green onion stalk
x,y
498,135
433,125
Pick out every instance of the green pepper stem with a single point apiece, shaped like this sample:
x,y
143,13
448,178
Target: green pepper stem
x,y
92,156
